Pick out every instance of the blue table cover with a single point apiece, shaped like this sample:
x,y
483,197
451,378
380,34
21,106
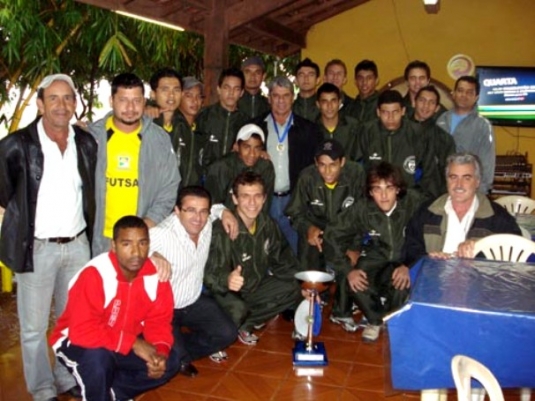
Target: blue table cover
x,y
480,308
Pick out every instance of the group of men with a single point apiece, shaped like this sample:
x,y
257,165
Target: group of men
x,y
322,181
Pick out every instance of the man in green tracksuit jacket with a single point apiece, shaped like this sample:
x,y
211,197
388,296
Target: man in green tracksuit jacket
x,y
220,122
323,191
395,139
173,96
365,243
364,107
253,103
252,277
307,75
331,123
441,144
221,173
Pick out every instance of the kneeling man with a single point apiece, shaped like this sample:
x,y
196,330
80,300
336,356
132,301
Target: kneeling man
x,y
115,334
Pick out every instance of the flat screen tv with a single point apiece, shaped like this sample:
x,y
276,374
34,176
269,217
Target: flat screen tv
x,y
507,95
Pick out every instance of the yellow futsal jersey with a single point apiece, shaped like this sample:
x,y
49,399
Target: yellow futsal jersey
x,y
121,175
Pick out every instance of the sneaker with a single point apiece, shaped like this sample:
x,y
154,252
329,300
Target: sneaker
x,y
247,338
298,336
219,356
259,326
371,333
347,323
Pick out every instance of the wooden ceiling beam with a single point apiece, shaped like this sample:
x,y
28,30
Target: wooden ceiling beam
x,y
246,11
267,26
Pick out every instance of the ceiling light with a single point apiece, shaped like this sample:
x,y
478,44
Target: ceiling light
x,y
152,21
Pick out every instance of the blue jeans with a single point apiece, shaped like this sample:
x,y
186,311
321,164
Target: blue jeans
x,y
209,329
276,211
54,266
100,372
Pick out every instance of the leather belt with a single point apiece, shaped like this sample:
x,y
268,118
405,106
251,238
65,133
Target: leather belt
x,y
62,240
281,194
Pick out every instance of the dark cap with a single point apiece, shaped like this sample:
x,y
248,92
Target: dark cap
x,y
331,148
253,61
191,82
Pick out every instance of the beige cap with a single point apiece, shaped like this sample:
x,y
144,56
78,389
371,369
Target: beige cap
x,y
49,79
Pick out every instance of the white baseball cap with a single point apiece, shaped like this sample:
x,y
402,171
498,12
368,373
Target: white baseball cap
x,y
247,130
49,79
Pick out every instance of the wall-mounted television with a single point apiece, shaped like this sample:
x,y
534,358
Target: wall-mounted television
x,y
507,95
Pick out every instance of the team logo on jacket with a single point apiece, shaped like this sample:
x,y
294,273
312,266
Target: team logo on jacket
x,y
316,202
181,142
213,138
245,257
375,156
409,165
348,202
374,233
266,247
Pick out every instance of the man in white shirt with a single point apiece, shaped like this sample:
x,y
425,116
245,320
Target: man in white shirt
x,y
450,225
47,188
184,239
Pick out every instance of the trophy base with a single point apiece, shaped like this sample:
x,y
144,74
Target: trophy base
x,y
317,356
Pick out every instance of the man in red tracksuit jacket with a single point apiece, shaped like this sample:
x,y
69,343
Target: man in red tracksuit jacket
x,y
115,334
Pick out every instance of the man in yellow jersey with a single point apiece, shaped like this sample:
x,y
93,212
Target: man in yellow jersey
x,y
137,171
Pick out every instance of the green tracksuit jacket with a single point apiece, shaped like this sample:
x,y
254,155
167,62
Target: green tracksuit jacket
x,y
219,127
306,108
188,145
345,132
253,105
222,172
364,110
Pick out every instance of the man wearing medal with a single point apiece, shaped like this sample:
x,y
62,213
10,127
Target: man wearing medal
x,y
291,142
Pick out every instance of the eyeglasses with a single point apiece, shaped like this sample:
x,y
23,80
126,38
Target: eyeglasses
x,y
192,211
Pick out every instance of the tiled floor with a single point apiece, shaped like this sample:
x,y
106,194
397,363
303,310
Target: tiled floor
x,y
356,371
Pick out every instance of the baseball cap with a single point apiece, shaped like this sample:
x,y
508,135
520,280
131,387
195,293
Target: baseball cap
x,y
253,61
247,130
191,82
331,148
49,79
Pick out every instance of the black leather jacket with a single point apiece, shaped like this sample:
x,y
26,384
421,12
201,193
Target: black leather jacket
x,y
21,168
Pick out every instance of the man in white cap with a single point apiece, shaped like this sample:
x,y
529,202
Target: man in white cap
x,y
221,174
47,188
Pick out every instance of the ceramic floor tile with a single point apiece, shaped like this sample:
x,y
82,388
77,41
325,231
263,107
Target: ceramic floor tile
x,y
307,391
245,386
203,383
266,364
366,377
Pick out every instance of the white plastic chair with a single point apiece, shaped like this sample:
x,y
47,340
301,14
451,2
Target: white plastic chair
x,y
512,248
506,247
464,369
517,204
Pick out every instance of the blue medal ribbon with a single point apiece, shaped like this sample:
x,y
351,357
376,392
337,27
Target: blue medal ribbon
x,y
286,130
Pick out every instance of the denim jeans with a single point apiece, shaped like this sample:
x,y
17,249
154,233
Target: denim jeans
x,y
54,266
276,211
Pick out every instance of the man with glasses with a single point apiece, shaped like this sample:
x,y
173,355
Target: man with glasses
x,y
471,132
184,239
366,242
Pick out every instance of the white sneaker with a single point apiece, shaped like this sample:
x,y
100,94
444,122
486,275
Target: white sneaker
x,y
371,333
219,356
347,323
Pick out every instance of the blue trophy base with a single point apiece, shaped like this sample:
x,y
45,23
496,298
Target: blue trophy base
x,y
317,356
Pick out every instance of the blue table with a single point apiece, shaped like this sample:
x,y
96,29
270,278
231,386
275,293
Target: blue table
x,y
483,309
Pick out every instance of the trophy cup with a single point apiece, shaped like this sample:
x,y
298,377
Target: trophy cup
x,y
309,353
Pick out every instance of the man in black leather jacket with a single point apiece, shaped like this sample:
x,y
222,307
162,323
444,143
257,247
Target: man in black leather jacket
x,y
47,189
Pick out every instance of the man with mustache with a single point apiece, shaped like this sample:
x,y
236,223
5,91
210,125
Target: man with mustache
x,y
137,172
450,225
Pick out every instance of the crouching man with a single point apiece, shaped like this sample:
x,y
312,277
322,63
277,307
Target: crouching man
x,y
115,334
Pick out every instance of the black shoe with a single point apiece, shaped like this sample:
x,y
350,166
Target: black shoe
x,y
288,315
74,392
187,369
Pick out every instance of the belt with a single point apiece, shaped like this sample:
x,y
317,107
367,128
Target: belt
x,y
281,194
62,240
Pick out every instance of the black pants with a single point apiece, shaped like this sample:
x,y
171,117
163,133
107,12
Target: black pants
x,y
379,276
209,329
